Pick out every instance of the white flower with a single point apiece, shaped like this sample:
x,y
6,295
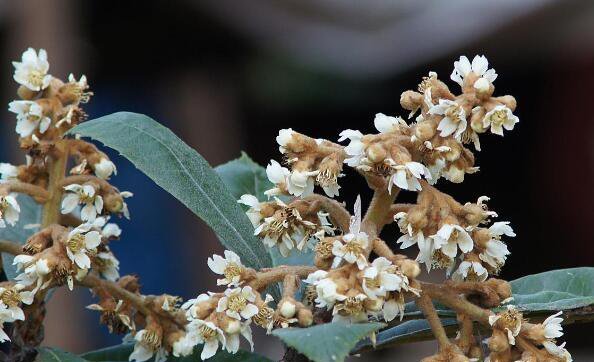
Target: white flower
x,y
350,309
355,149
301,183
34,271
29,117
407,176
558,351
454,118
105,168
184,346
192,305
426,251
325,289
209,334
80,242
32,70
8,172
10,299
385,124
380,278
123,317
510,321
238,303
85,194
9,210
230,267
110,266
253,212
279,176
449,237
124,210
393,307
479,66
352,246
474,271
552,326
498,118
410,237
78,88
148,343
283,138
496,252
232,336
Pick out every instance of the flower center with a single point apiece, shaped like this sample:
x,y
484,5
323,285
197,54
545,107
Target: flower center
x,y
324,248
454,113
151,339
353,247
351,306
440,260
10,297
86,198
76,243
263,317
372,283
231,271
499,117
35,77
327,178
207,333
237,302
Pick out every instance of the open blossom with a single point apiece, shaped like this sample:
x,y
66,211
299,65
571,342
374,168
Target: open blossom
x,y
283,139
407,176
510,321
109,265
326,289
148,343
253,212
9,210
385,124
230,267
32,70
10,299
233,332
355,149
191,305
451,237
209,334
30,117
301,183
498,118
238,303
558,351
34,271
352,246
82,194
279,176
409,236
470,270
382,277
454,118
552,326
479,66
105,168
496,252
350,309
80,242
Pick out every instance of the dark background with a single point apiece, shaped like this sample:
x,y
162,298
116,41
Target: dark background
x,y
226,76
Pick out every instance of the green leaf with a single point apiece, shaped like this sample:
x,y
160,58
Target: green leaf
x,y
51,354
405,332
121,352
28,224
181,171
555,290
329,342
244,176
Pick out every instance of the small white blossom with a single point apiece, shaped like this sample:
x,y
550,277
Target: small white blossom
x,y
511,322
9,172
32,70
301,183
184,346
123,317
498,118
283,138
30,117
230,267
479,66
147,344
552,326
209,334
10,299
82,194
34,271
350,309
454,118
232,337
451,237
80,242
105,168
355,149
474,271
124,210
496,252
279,176
407,176
238,303
385,124
253,212
326,289
191,306
558,351
381,277
352,246
9,210
110,266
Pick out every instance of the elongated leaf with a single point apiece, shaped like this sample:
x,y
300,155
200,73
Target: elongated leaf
x,y
181,171
244,176
28,224
51,354
122,351
406,331
330,342
555,290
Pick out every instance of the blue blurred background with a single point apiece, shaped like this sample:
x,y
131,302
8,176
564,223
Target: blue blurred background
x,y
226,75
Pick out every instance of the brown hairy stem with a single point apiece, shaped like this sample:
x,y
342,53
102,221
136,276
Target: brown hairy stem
x,y
57,169
426,306
277,274
38,193
338,214
448,297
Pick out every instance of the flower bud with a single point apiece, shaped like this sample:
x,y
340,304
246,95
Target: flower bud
x,y
288,309
454,174
502,288
410,268
305,317
498,341
374,305
411,100
26,93
376,153
425,131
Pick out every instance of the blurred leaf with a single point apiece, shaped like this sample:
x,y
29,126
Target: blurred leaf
x,y
402,333
411,310
122,351
244,176
329,342
181,171
51,354
555,290
28,224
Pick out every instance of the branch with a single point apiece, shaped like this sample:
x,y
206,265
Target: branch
x,y
40,194
272,275
426,306
339,215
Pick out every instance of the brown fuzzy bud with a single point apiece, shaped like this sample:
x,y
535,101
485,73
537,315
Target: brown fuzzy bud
x,y
26,93
498,341
376,153
425,131
287,308
113,202
410,268
501,287
508,101
411,100
305,317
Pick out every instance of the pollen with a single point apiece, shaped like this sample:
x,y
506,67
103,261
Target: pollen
x,y
10,297
237,302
